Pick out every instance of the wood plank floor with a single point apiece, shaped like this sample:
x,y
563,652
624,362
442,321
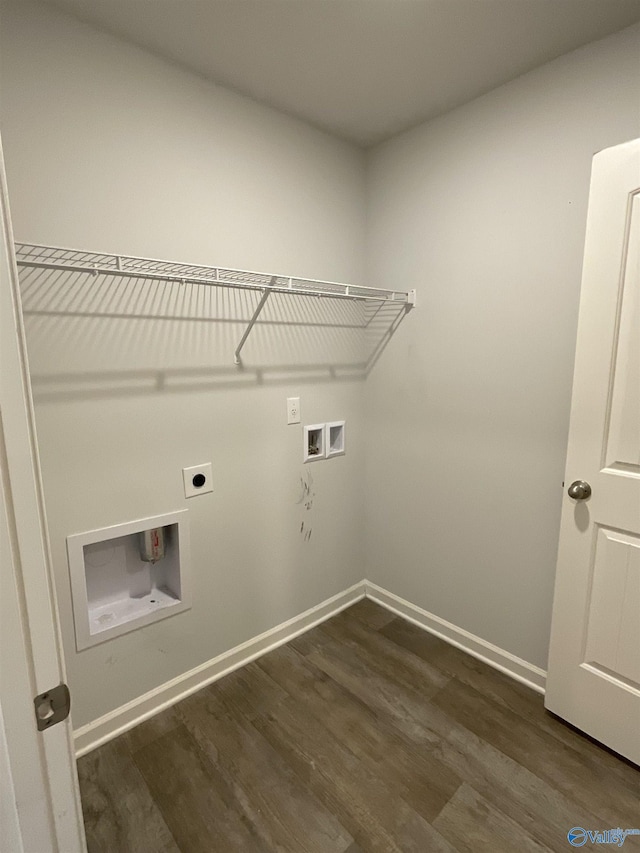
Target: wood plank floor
x,y
365,735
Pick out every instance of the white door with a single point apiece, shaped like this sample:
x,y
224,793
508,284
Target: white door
x,y
40,800
594,661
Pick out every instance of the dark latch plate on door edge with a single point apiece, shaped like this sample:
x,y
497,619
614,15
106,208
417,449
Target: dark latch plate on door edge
x,y
52,707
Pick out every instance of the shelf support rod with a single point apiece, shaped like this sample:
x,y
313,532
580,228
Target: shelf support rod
x,y
252,321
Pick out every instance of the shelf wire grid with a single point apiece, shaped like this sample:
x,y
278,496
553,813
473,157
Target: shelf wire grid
x,y
35,256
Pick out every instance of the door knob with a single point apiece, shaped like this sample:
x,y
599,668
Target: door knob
x,y
579,490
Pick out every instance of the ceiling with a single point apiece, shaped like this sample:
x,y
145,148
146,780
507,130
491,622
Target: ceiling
x,y
360,69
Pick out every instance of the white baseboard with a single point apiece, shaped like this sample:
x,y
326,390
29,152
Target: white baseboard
x,y
516,667
122,719
116,722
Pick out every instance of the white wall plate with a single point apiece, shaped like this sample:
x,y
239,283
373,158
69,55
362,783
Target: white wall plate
x,y
293,410
198,480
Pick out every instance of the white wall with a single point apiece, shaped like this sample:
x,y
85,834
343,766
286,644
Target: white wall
x,y
110,148
483,211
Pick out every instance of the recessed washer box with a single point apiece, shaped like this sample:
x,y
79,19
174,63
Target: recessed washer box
x,y
335,438
114,590
313,447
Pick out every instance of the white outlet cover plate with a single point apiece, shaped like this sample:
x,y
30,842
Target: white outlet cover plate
x,y
190,491
293,410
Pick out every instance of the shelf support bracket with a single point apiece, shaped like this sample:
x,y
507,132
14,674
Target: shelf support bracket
x,y
252,321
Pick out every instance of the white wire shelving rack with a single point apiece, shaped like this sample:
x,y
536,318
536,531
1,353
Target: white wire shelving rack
x,y
34,256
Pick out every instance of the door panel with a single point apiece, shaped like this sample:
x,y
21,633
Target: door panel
x,y
43,779
613,626
623,444
594,661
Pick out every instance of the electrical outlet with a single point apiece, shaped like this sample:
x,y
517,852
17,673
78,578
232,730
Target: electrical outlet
x,y
293,410
198,480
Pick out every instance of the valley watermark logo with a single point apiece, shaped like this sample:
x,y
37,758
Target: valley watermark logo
x,y
578,836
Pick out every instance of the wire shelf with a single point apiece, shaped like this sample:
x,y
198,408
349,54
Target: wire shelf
x,y
33,256
51,257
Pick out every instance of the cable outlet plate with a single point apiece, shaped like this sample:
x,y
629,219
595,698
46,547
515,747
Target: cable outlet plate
x,y
293,410
198,480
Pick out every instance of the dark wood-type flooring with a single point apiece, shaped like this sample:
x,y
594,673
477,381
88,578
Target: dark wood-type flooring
x,y
365,735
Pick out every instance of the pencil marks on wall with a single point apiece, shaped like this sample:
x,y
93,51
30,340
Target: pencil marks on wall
x,y
305,501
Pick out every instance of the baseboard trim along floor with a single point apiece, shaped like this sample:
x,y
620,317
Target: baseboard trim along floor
x,y
122,719
519,669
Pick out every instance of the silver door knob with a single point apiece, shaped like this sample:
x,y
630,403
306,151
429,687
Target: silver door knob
x,y
579,490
